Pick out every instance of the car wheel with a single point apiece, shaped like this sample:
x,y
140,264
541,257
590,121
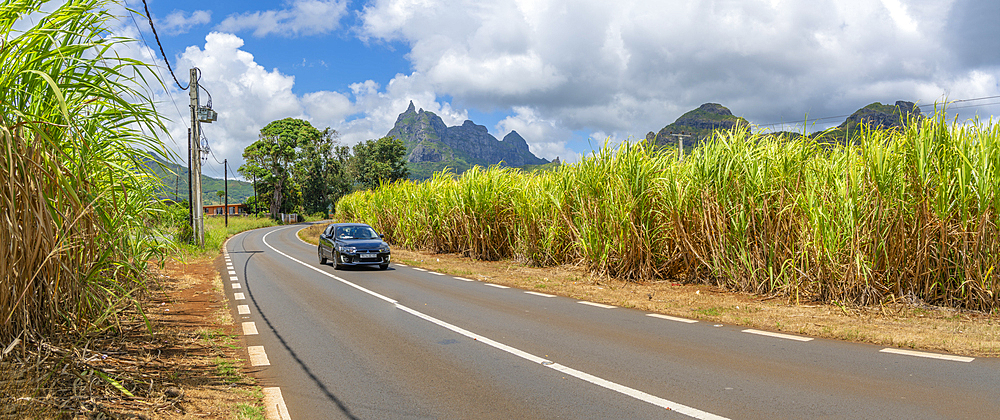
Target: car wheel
x,y
383,266
336,262
322,258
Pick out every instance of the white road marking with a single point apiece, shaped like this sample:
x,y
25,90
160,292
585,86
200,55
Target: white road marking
x,y
243,309
237,286
232,273
257,356
599,305
928,355
634,393
463,279
778,335
673,318
540,294
249,328
274,404
497,286
234,278
402,265
419,269
238,296
436,273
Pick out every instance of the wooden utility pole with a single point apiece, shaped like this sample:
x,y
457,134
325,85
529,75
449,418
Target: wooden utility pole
x,y
198,220
225,183
190,183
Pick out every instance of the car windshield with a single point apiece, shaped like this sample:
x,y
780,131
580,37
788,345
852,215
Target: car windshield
x,y
356,232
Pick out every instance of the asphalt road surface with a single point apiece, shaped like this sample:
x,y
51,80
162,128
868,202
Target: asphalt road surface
x,y
407,343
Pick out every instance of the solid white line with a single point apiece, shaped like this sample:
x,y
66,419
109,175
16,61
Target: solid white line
x,y
642,396
599,305
497,286
249,328
237,286
673,318
778,335
264,239
257,356
243,309
234,278
238,296
540,294
274,404
929,355
463,279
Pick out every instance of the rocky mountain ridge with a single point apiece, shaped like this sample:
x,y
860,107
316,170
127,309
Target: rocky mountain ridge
x,y
431,145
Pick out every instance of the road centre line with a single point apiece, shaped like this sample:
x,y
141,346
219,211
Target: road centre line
x,y
258,357
950,357
599,305
274,404
249,328
539,294
672,318
778,335
634,393
243,309
498,286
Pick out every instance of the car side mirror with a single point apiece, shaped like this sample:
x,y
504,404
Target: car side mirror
x,y
381,236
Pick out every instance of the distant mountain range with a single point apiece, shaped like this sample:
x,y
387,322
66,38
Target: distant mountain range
x,y
695,126
432,146
175,184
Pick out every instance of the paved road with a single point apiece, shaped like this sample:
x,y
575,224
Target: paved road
x,y
406,343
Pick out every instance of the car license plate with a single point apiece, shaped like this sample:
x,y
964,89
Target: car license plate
x,y
369,255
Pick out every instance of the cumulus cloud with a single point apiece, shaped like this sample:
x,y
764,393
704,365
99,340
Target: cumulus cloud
x,y
179,21
546,138
299,18
627,67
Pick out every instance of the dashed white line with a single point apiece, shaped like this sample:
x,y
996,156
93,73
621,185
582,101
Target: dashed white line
x,y
778,335
540,294
402,265
950,357
463,279
497,286
257,356
232,273
274,404
249,328
599,305
238,296
237,286
243,309
234,278
419,269
436,273
673,318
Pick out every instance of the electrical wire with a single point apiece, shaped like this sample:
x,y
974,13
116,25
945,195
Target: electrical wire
x,y
157,69
815,120
164,54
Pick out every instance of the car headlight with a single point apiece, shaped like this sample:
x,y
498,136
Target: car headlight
x,y
383,248
348,249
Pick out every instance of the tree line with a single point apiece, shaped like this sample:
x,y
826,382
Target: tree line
x,y
295,167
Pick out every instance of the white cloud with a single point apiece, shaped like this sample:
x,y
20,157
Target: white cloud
x,y
299,18
546,139
179,21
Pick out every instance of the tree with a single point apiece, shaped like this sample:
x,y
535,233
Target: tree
x,y
320,171
273,154
379,161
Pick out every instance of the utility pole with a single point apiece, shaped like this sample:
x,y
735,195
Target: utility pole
x,y
190,184
225,183
197,218
680,148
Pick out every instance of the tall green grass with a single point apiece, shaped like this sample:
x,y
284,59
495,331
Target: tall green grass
x,y
894,215
75,203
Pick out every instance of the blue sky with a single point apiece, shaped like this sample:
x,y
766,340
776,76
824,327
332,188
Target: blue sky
x,y
565,74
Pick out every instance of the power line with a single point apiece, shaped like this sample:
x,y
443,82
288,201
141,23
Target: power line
x,y
150,18
814,120
157,69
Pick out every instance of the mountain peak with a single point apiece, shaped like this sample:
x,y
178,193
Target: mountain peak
x,y
410,108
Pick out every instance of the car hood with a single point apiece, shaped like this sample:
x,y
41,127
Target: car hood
x,y
362,243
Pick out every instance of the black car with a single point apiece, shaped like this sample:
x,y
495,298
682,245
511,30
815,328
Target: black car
x,y
353,244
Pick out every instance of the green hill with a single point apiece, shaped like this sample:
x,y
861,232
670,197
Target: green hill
x,y
175,184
